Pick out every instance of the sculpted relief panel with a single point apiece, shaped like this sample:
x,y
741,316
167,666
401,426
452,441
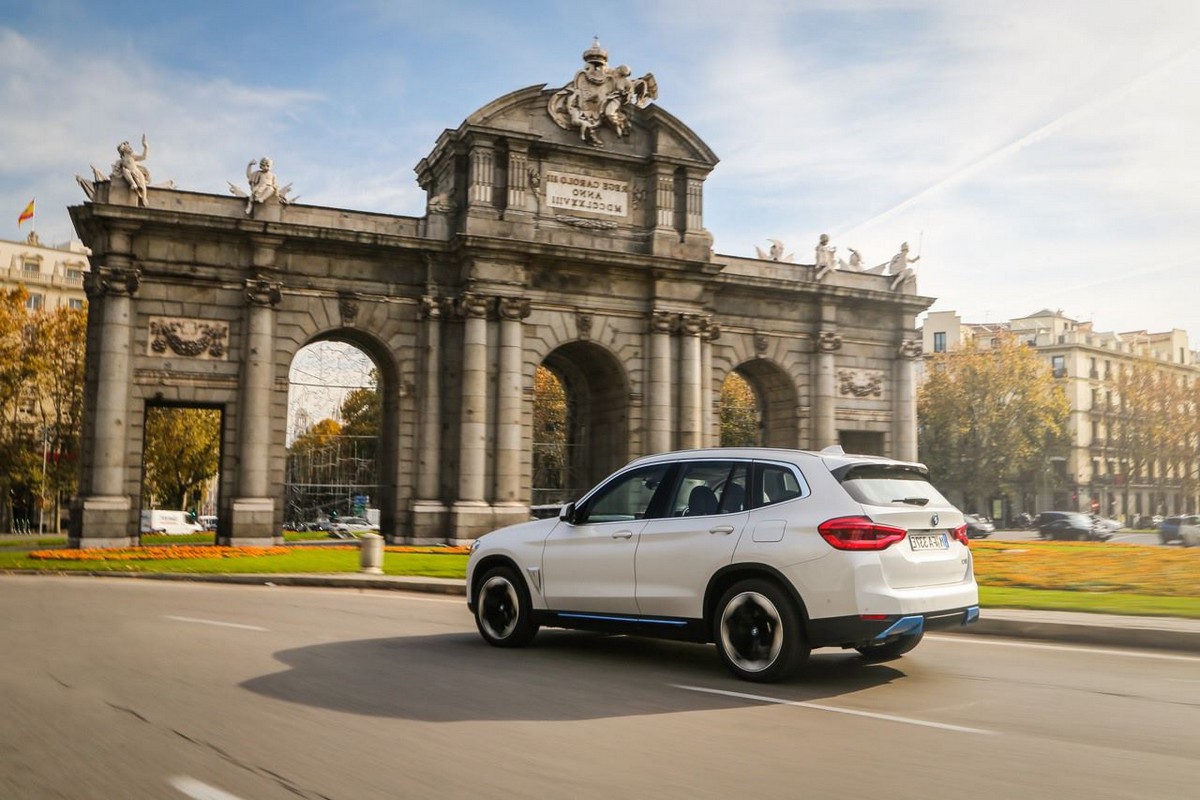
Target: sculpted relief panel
x,y
598,97
191,338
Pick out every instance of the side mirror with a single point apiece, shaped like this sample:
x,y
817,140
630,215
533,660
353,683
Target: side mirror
x,y
567,514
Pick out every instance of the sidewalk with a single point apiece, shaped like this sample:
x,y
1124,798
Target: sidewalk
x,y
1104,630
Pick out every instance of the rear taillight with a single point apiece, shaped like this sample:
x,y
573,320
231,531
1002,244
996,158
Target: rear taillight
x,y
960,533
859,533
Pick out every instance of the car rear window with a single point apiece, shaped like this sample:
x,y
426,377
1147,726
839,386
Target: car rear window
x,y
889,485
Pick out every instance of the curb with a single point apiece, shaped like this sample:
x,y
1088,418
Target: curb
x,y
1106,630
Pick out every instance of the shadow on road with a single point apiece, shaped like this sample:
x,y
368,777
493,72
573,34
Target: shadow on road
x,y
562,676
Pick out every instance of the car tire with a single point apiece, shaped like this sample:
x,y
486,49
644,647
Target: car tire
x,y
759,633
891,650
503,611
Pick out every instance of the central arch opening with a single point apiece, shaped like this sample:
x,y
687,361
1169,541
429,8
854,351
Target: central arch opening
x,y
335,479
581,423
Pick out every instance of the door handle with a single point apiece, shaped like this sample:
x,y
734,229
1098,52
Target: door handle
x,y
623,535
725,529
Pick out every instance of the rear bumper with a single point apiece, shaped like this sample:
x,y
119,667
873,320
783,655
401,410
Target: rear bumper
x,y
856,631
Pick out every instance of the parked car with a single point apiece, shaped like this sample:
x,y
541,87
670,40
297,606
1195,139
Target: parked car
x,y
766,553
1069,525
978,527
1183,528
1105,524
168,521
346,527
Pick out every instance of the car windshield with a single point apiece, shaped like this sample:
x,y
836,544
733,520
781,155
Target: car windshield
x,y
890,484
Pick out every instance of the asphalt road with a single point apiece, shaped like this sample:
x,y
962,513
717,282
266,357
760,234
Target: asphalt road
x,y
139,689
1122,536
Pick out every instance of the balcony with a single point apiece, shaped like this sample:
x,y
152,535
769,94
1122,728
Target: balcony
x,y
1061,372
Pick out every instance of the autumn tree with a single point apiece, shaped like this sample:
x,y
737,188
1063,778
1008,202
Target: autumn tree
x,y
551,458
16,375
182,452
740,416
57,358
989,417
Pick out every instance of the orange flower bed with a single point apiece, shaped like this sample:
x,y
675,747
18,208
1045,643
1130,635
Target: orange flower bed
x,y
1087,567
157,553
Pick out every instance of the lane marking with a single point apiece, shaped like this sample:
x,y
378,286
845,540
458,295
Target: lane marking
x,y
198,790
852,712
215,622
1100,651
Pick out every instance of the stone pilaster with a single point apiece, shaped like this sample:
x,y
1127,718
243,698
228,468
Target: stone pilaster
x,y
828,342
519,199
104,514
664,202
658,407
471,515
482,179
712,430
690,419
253,510
509,505
429,513
904,400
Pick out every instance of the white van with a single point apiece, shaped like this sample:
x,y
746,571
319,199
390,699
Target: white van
x,y
174,523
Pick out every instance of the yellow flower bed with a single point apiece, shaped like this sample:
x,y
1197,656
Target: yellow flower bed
x,y
1089,567
157,553
408,548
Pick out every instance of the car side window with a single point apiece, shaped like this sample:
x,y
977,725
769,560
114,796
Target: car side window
x,y
627,497
709,487
777,483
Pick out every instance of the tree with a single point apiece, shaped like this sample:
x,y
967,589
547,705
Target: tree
x,y
989,418
58,361
16,435
740,417
362,416
182,452
550,451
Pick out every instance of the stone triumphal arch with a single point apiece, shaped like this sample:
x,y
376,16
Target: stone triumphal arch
x,y
564,227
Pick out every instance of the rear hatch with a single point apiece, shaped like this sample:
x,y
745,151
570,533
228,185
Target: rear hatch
x,y
901,495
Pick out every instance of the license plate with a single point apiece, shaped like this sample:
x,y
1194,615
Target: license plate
x,y
929,541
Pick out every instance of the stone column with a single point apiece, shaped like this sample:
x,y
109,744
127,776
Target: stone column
x,y
690,419
471,515
904,401
253,510
104,514
824,397
429,513
658,407
509,505
712,432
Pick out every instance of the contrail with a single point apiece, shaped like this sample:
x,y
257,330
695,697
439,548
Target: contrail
x,y
1030,138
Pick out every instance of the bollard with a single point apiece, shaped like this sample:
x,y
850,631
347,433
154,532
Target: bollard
x,y
370,554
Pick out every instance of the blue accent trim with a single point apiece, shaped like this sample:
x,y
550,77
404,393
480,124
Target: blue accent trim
x,y
905,626
608,618
971,615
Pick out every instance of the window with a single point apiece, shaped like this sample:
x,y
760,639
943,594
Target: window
x,y
626,497
74,303
1059,364
939,341
778,483
710,487
74,275
31,266
890,485
35,302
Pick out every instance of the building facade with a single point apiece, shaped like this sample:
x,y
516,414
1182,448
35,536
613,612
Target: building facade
x,y
53,276
1095,475
563,229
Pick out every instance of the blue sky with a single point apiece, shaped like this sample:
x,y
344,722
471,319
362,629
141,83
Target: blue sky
x,y
1036,154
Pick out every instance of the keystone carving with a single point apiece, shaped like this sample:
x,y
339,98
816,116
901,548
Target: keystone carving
x,y
583,324
348,308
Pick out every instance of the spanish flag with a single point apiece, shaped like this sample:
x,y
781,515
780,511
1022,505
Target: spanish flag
x,y
26,214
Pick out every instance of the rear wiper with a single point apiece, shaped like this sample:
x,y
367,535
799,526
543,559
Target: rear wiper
x,y
912,501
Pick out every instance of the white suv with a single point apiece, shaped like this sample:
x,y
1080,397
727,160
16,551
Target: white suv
x,y
767,553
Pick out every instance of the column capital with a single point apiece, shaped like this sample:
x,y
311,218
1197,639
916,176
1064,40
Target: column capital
x,y
513,308
693,324
910,349
261,291
663,321
829,341
104,280
429,307
469,304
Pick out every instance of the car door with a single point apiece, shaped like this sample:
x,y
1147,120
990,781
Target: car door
x,y
678,552
587,561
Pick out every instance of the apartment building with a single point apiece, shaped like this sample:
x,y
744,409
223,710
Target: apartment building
x,y
53,276
1093,475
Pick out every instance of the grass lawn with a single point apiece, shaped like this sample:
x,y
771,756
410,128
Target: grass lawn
x,y
1064,576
